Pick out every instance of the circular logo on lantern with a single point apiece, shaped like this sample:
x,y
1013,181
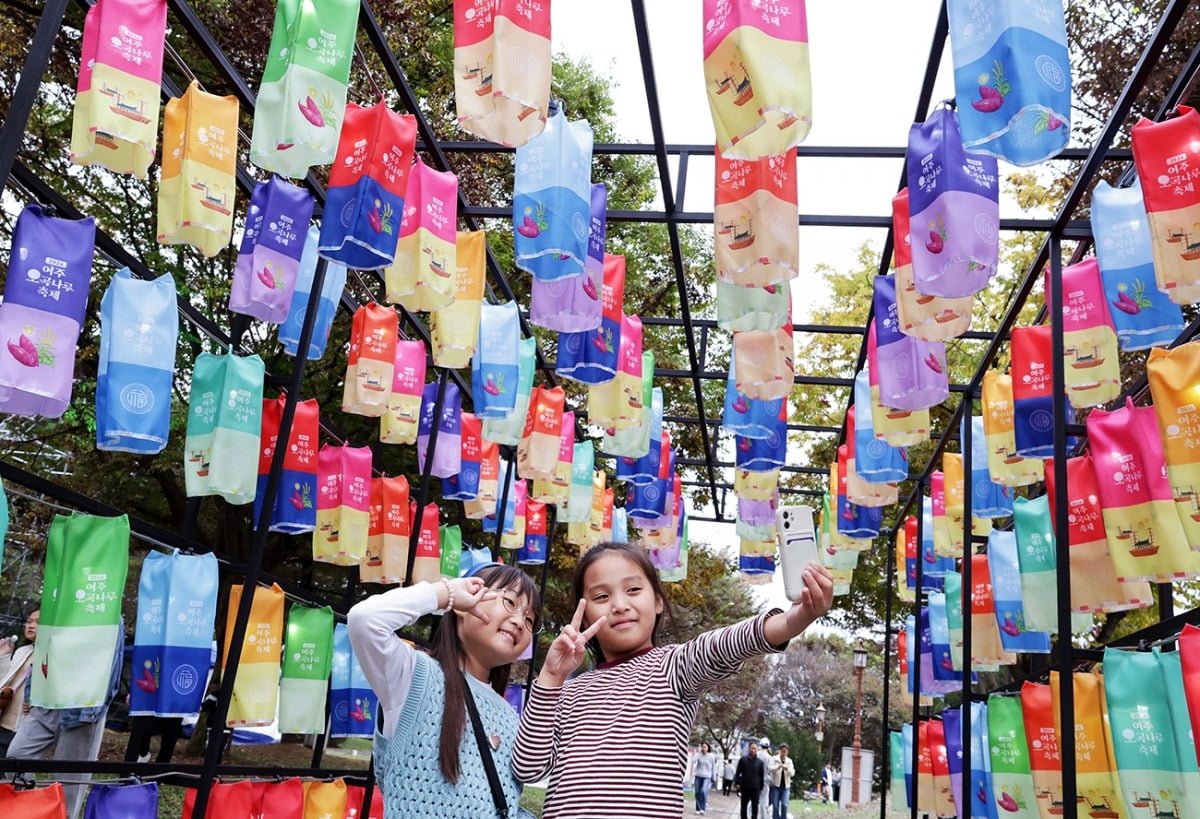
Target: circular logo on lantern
x,y
579,225
186,679
341,710
470,477
985,228
876,448
651,493
1041,420
1049,70
574,342
137,398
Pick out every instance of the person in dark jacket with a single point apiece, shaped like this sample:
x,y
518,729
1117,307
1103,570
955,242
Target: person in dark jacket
x,y
749,778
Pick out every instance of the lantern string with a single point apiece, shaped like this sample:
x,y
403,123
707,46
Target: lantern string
x,y
367,68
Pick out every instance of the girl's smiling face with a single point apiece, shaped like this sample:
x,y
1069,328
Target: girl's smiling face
x,y
617,587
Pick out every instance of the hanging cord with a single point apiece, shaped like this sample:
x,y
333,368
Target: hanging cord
x,y
358,52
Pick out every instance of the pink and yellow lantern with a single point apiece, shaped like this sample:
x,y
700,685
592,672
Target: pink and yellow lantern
x,y
422,276
398,425
1093,367
343,505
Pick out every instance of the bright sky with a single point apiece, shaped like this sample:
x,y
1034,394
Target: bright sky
x,y
866,80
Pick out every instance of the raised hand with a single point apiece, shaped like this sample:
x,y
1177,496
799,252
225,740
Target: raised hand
x,y
469,592
566,652
815,600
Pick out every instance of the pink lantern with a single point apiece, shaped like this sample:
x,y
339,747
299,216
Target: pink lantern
x,y
755,219
610,404
264,277
484,502
1093,366
398,425
343,504
556,490
422,276
370,366
590,357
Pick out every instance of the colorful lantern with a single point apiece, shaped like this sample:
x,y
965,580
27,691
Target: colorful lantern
x,y
757,75
573,305
323,799
495,370
929,682
502,69
269,258
484,503
748,417
447,455
294,511
1038,561
331,292
302,98
1167,155
1143,316
620,527
127,801
282,799
590,357
1012,780
1093,368
398,425
942,546
552,193
912,372
367,185
955,497
121,59
952,582
370,365
1033,403
556,490
256,684
427,565
616,404
356,795
422,276
537,454
1173,377
450,543
988,498
986,648
853,520
898,427
1005,571
1146,540
755,218
1094,585
756,561
223,428
343,504
307,660
507,431
136,370
454,329
172,646
764,362
45,298
1095,772
927,317
634,441
464,485
740,309
232,799
578,507
954,202
954,746
896,786
533,551
87,559
512,536
764,454
1003,464
388,532
1012,77
196,191
756,486
353,703
943,797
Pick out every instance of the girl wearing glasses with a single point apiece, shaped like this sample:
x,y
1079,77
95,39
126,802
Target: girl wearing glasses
x,y
427,758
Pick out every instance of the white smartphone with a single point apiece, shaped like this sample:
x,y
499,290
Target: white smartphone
x,y
797,546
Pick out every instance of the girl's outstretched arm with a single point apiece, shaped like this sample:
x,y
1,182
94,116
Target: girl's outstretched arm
x,y
815,600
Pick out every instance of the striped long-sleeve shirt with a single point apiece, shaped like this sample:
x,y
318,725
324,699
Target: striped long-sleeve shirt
x,y
614,740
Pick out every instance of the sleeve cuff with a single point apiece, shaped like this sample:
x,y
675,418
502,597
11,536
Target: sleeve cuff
x,y
760,632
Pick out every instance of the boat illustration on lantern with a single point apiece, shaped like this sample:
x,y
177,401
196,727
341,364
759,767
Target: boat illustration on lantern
x,y
331,534
371,380
1143,544
1189,495
1009,456
1086,357
202,459
1191,251
483,73
743,89
217,203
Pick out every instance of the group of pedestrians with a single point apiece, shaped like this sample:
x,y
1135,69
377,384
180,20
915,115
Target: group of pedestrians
x,y
774,775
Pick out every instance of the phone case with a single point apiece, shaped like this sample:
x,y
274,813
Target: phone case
x,y
797,546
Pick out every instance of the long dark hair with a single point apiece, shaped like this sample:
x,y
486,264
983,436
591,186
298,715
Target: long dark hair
x,y
448,651
634,553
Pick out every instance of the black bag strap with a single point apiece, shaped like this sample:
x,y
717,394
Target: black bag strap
x,y
485,753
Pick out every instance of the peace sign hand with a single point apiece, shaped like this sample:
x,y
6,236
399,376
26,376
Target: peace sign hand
x,y
566,652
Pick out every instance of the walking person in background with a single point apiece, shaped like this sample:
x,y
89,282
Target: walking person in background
x,y
827,782
781,770
14,675
706,762
727,777
750,776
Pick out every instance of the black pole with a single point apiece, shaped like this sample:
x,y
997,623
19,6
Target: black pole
x,y
500,509
887,654
968,579
414,533
542,594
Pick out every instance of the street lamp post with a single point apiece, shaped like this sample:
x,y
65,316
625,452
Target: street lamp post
x,y
860,665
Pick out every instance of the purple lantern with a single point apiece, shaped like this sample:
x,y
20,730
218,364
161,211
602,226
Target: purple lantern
x,y
447,454
264,277
912,372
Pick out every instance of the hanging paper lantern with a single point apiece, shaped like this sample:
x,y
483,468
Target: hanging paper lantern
x,y
1167,155
508,430
268,260
912,372
943,798
502,69
343,504
307,660
1094,585
755,217
980,804
115,124
45,298
1015,632
934,566
896,788
1096,772
954,745
512,536
955,497
578,507
537,454
370,365
927,317
177,607
647,500
620,526
740,309
127,801
757,75
1044,762
1003,464
388,532
986,648
447,454
941,524
323,799
1033,404
744,416
367,185
764,454
533,551
294,511
939,630
427,564
256,684
552,199
756,486
283,799
495,369
232,799
897,427
644,469
454,329
223,428
924,773
484,502
634,441
1093,368
464,484
756,561
399,423
573,305
355,796
1012,782
196,191
1012,78
450,543
136,370
586,533
853,520
614,404
1143,316
302,98
590,357
1173,375
764,363
353,703
1146,540
876,460
988,498
952,582
1038,560
331,292
87,559
422,276
954,202
929,682
556,489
